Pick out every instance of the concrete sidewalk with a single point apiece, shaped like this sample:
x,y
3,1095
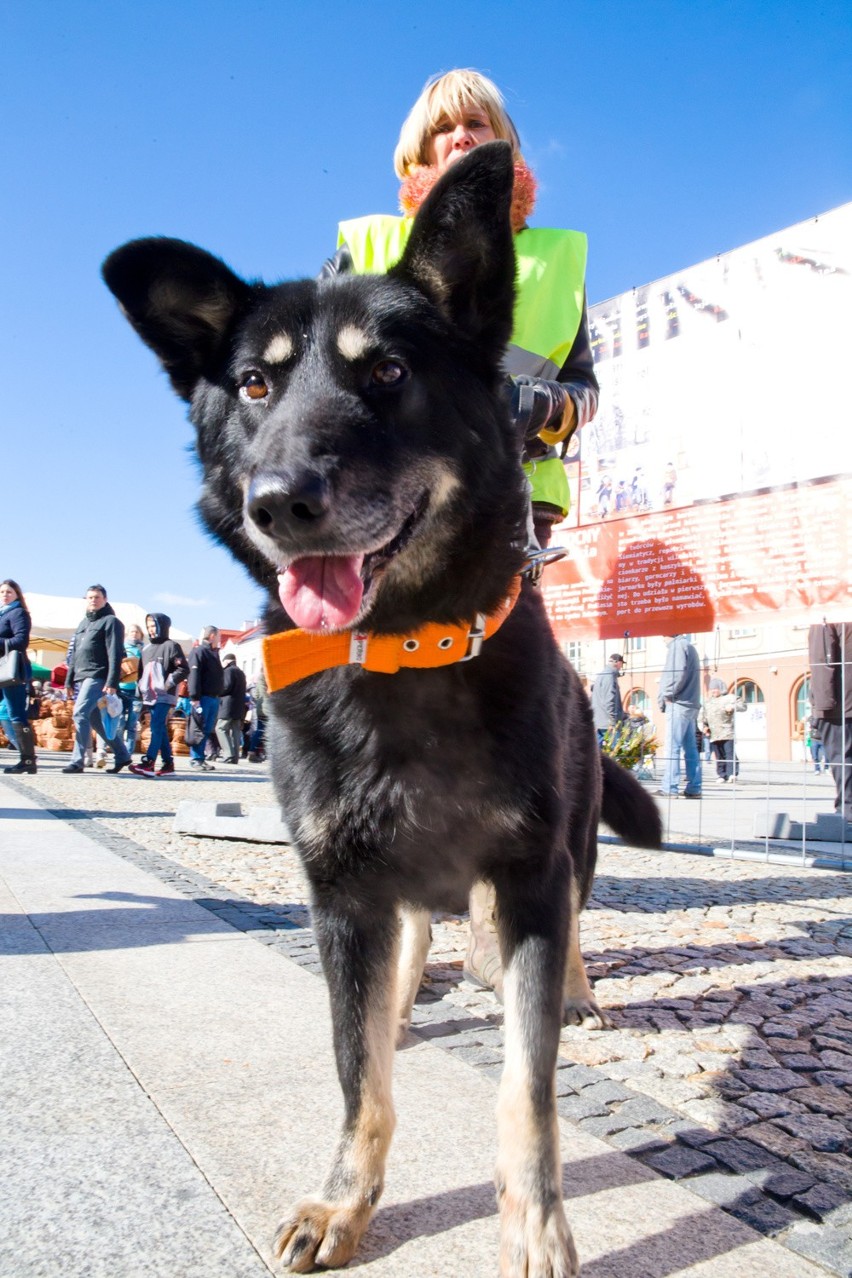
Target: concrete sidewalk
x,y
168,1089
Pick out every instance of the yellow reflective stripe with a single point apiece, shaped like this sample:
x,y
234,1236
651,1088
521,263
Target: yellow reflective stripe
x,y
549,483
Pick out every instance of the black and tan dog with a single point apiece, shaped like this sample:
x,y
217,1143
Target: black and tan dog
x,y
359,460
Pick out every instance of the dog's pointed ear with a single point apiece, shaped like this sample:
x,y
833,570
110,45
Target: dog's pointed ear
x,y
461,250
180,300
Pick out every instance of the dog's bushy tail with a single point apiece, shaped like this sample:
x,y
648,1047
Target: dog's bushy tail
x,y
628,809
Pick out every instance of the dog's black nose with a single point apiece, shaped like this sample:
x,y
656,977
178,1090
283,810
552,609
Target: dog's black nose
x,y
278,505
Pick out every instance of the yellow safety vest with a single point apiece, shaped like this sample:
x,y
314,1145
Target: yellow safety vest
x,y
550,278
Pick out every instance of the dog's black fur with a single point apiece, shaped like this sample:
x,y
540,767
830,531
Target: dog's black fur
x,y
367,415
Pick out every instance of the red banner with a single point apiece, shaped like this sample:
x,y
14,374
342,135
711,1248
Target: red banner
x,y
784,551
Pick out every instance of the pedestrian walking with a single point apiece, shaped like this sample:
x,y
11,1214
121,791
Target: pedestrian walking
x,y
205,681
163,667
15,627
232,707
94,668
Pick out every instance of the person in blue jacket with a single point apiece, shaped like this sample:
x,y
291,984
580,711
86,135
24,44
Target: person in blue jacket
x,y
15,627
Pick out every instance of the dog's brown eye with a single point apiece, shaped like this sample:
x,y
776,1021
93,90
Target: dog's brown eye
x,y
389,372
254,387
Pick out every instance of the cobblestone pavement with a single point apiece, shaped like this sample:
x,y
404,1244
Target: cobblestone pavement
x,y
729,982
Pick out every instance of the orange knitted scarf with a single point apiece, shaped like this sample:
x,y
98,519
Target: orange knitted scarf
x,y
423,177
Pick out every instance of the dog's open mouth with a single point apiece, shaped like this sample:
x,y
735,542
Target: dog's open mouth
x,y
329,592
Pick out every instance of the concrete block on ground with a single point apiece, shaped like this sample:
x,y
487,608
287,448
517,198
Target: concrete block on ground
x,y
829,827
231,821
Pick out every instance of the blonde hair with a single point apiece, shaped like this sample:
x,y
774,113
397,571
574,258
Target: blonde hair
x,y
451,94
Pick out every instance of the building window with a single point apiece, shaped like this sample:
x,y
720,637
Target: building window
x,y
744,632
750,692
573,650
802,700
635,644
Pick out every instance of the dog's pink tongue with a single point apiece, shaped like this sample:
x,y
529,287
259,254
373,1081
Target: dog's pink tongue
x,y
322,592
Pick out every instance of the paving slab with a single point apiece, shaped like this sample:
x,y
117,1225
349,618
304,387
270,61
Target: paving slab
x,y
169,1089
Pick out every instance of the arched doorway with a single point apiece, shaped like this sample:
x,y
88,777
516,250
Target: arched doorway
x,y
800,712
751,725
639,702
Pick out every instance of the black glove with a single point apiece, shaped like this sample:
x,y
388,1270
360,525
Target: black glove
x,y
537,405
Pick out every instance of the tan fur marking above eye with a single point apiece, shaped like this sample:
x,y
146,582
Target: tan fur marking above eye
x,y
279,349
352,342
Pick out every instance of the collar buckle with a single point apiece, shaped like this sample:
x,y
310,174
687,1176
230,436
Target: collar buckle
x,y
475,638
537,561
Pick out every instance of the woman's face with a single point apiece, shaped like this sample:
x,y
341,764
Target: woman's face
x,y
454,137
7,594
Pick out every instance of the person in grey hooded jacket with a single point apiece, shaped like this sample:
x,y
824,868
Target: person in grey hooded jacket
x,y
680,700
163,667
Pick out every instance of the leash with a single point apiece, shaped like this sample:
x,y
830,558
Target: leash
x,y
293,655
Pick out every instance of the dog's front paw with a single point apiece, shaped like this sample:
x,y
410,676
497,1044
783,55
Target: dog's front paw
x,y
317,1233
585,1012
532,1247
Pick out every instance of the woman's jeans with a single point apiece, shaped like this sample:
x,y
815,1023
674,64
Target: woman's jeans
x,y
159,743
16,700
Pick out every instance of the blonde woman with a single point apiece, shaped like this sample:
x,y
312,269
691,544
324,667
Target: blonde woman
x,y
551,381
554,391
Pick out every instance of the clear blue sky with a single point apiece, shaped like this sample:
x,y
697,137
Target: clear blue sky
x,y
669,131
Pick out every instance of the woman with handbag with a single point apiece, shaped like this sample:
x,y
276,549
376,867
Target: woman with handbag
x,y
15,626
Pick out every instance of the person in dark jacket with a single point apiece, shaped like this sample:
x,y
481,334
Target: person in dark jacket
x,y
15,626
232,707
607,707
205,688
830,655
163,667
95,667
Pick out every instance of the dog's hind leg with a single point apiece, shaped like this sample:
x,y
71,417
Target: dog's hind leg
x,y
535,1239
414,947
359,952
580,1007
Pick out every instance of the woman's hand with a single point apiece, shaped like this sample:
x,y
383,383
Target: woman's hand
x,y
541,408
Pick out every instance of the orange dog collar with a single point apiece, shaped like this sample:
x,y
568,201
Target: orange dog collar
x,y
297,654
